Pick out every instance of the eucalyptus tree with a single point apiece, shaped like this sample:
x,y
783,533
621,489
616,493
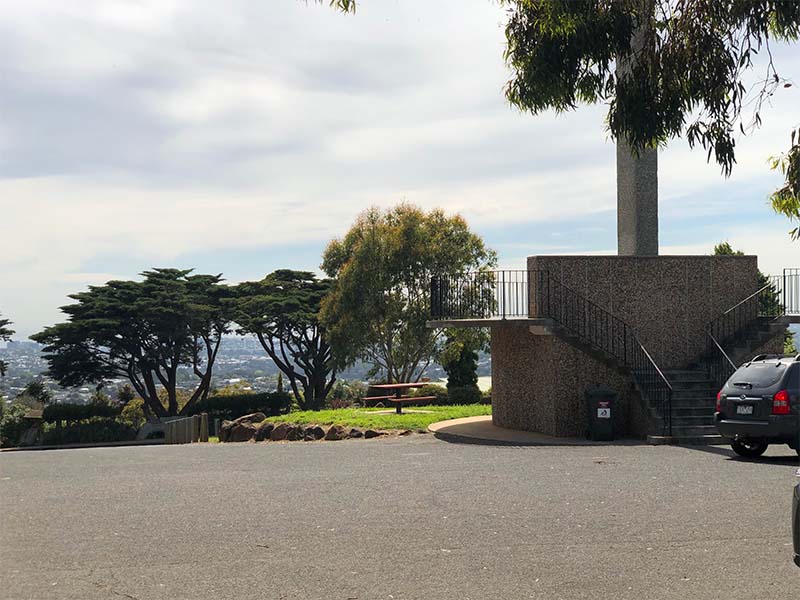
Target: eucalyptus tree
x,y
282,311
379,306
143,331
690,75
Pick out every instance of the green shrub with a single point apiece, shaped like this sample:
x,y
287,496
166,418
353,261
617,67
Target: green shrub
x,y
133,413
79,412
432,389
12,423
486,396
346,393
467,394
271,404
90,431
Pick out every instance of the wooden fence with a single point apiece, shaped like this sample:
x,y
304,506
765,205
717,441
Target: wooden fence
x,y
187,430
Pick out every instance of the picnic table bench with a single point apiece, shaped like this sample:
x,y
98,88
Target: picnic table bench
x,y
397,398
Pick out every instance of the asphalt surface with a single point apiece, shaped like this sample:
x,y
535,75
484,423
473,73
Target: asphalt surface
x,y
402,518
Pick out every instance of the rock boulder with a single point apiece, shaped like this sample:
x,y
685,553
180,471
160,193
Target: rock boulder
x,y
314,432
264,430
280,431
336,432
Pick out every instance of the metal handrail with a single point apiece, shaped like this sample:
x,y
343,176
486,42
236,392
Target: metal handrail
x,y
718,364
580,317
719,347
750,297
655,365
769,301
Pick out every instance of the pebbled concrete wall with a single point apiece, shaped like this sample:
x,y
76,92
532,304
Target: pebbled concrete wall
x,y
538,382
667,299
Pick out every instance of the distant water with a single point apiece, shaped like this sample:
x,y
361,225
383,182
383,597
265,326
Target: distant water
x,y
484,383
795,329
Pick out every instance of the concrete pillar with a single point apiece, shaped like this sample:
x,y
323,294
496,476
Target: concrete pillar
x,y
637,176
637,202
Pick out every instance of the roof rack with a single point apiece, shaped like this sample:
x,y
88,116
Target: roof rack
x,y
767,357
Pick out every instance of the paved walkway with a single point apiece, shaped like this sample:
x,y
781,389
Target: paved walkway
x,y
481,430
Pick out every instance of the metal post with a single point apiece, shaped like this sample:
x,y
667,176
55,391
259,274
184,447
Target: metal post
x,y
195,423
785,303
503,294
204,427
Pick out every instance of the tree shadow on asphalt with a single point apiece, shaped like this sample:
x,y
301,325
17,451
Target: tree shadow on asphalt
x,y
778,461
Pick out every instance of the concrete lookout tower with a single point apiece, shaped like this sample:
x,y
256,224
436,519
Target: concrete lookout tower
x,y
636,322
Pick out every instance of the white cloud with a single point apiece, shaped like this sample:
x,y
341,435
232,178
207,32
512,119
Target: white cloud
x,y
157,129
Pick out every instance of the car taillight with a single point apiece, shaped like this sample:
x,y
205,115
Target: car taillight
x,y
780,403
719,397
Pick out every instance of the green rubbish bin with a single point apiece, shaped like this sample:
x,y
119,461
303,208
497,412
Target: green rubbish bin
x,y
600,401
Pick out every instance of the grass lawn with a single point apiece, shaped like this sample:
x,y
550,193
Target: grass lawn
x,y
366,418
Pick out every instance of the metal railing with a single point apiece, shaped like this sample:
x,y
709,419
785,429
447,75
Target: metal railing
x,y
778,297
718,364
492,295
480,295
787,287
606,332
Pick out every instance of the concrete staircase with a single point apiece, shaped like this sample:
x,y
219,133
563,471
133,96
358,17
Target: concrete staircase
x,y
694,395
744,347
694,392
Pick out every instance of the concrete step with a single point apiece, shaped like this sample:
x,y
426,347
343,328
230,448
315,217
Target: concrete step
x,y
695,391
691,421
701,399
705,385
685,376
692,411
688,440
694,430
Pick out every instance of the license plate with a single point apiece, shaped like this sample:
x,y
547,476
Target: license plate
x,y
744,409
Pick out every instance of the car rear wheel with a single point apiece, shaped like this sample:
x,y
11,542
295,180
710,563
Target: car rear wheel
x,y
749,449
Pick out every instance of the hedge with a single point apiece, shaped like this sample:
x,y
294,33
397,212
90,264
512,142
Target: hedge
x,y
53,413
271,404
87,432
450,397
468,394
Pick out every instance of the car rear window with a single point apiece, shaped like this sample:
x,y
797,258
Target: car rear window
x,y
758,375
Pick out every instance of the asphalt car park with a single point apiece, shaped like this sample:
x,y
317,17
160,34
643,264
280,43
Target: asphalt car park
x,y
409,517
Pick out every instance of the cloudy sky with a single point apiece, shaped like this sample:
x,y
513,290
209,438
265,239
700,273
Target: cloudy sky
x,y
241,136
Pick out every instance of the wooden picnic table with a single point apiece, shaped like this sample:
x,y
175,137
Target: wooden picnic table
x,y
396,394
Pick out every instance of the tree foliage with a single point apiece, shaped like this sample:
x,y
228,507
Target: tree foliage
x,y
38,392
126,394
687,66
143,331
380,303
282,311
5,334
459,356
786,199
769,303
